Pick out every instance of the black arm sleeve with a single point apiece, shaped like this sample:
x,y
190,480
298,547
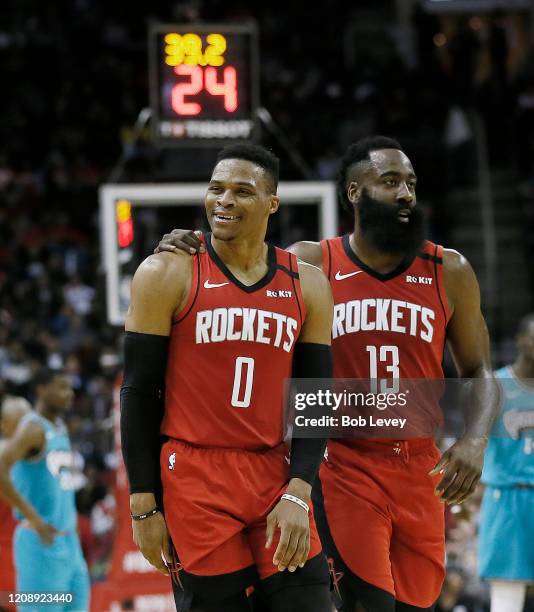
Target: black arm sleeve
x,y
309,361
145,360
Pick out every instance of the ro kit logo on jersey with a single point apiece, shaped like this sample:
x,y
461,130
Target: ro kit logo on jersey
x,y
246,324
281,293
377,314
419,280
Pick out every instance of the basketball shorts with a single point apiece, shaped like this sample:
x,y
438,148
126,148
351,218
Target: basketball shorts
x,y
216,502
505,549
382,518
58,567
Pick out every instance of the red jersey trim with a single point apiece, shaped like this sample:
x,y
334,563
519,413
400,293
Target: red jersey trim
x,y
400,269
272,265
440,284
287,269
298,290
178,317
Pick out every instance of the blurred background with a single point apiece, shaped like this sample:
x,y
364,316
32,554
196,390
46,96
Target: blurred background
x,y
452,80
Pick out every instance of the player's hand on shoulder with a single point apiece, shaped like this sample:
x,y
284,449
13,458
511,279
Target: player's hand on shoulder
x,y
184,240
461,466
308,251
152,538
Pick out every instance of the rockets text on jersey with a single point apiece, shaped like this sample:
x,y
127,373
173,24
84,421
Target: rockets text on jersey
x,y
356,315
231,349
387,325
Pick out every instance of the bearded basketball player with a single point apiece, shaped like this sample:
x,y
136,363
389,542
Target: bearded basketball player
x,y
379,503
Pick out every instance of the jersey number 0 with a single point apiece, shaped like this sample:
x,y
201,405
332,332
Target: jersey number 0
x,y
243,379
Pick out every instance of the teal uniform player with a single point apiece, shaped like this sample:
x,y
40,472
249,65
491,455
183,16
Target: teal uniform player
x,y
48,481
507,528
47,553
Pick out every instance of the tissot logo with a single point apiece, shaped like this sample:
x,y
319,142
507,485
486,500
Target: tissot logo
x,y
280,293
419,280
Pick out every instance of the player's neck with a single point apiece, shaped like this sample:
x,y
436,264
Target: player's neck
x,y
372,256
524,370
245,254
46,412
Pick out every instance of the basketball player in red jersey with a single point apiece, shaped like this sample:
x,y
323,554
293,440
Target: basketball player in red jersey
x,y
398,299
227,327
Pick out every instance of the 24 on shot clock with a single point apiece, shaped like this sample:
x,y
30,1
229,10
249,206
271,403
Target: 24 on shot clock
x,y
203,83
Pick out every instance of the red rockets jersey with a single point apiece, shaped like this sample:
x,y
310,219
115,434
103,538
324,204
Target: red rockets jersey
x,y
231,348
387,325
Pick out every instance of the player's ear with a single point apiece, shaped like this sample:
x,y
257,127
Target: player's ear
x,y
274,204
354,192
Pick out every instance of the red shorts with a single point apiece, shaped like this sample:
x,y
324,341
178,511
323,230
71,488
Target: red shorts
x,y
216,502
386,522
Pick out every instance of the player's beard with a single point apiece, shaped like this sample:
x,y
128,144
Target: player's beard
x,y
380,225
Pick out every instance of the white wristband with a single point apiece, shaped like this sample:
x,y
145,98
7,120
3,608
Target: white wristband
x,y
296,500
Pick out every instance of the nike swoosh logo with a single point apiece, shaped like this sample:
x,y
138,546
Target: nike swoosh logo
x,y
208,285
340,276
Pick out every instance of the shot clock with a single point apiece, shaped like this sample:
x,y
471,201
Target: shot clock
x,y
203,83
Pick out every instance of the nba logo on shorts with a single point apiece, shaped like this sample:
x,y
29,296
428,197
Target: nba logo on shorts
x,y
172,459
